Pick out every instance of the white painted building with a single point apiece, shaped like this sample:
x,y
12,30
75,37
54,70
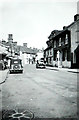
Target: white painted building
x,y
40,54
28,55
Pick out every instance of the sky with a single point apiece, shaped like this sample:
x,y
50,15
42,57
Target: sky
x,y
32,21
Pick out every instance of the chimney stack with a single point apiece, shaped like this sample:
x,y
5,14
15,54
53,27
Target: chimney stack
x,y
64,27
25,44
76,17
10,38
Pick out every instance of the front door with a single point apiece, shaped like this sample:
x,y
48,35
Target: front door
x,y
77,59
60,58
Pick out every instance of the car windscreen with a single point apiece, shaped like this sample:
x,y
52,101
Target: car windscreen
x,y
41,61
16,61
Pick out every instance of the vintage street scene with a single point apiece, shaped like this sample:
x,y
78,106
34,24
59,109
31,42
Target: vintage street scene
x,y
39,65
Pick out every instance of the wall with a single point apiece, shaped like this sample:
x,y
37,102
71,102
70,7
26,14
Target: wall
x,y
66,64
74,38
73,30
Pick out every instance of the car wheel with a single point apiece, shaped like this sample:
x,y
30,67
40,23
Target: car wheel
x,y
10,72
36,67
3,68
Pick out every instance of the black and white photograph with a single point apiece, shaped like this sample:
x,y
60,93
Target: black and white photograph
x,y
39,60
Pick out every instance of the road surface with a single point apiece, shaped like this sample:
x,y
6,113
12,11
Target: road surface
x,y
47,93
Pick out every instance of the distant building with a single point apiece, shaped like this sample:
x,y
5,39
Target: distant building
x,y
28,55
40,54
3,51
10,38
12,47
25,44
63,46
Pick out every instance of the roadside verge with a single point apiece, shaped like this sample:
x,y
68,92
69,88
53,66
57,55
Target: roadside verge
x,y
3,75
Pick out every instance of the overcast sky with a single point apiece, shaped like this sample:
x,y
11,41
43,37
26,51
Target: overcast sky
x,y
32,21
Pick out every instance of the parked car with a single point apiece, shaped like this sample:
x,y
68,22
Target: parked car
x,y
40,64
16,65
2,65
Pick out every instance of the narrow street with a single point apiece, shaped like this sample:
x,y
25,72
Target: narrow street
x,y
47,93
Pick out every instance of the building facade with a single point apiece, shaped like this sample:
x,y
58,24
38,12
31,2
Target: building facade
x,y
28,55
63,46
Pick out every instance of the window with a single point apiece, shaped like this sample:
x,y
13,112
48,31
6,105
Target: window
x,y
46,53
50,60
55,55
50,51
66,39
54,43
62,41
63,56
59,41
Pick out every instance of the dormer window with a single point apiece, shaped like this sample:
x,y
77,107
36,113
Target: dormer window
x,y
59,41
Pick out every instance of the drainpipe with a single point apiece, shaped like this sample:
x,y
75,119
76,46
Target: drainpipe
x,y
58,58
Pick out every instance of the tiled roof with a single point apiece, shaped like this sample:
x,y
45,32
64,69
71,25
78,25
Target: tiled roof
x,y
48,48
28,50
57,32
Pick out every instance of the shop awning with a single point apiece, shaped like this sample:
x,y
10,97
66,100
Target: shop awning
x,y
3,50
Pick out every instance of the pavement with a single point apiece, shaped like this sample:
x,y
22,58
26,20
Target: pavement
x,y
63,69
3,75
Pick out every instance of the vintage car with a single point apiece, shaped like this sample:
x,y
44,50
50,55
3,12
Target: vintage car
x,y
16,65
40,64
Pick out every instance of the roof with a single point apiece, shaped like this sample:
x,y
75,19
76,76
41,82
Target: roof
x,y
28,50
54,33
48,48
57,32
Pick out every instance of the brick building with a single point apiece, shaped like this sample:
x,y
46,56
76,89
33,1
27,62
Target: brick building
x,y
63,46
